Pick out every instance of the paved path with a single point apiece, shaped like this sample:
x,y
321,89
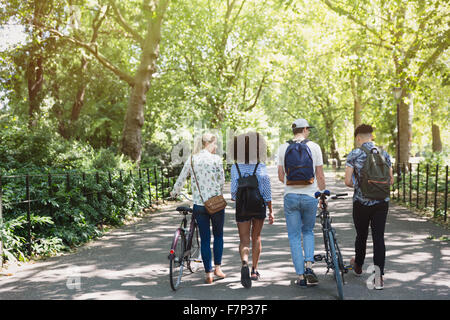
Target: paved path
x,y
131,262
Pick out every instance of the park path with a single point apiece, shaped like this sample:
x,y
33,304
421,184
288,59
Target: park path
x,y
131,262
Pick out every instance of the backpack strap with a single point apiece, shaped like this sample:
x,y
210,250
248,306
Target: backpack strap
x,y
256,167
237,167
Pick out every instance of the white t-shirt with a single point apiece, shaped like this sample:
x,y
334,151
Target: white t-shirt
x,y
317,161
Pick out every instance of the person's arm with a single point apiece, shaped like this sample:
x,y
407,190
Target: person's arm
x,y
181,178
391,173
234,184
281,174
271,217
348,176
320,176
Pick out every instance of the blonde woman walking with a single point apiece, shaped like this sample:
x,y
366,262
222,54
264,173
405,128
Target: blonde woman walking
x,y
206,171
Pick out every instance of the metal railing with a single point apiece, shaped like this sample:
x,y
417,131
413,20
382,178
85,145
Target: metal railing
x,y
43,194
422,186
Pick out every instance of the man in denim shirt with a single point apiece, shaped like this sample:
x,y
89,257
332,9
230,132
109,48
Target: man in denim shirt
x,y
367,211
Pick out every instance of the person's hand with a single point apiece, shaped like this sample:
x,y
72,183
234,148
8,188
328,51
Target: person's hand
x,y
271,218
322,202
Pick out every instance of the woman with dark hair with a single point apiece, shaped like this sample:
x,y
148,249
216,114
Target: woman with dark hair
x,y
249,150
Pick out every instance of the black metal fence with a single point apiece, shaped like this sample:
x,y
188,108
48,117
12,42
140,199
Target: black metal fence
x,y
43,194
422,186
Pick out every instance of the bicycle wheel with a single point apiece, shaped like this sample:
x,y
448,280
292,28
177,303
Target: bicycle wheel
x,y
195,257
340,259
336,269
176,259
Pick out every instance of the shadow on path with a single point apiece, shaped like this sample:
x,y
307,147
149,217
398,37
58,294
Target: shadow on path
x,y
131,262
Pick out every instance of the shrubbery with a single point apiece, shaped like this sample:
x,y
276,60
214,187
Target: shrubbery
x,y
74,190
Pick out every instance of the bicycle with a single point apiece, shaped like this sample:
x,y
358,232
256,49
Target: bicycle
x,y
185,249
333,256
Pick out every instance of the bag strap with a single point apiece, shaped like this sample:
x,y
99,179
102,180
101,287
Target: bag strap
x,y
237,167
256,167
195,177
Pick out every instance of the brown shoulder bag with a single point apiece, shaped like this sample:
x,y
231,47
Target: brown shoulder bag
x,y
214,204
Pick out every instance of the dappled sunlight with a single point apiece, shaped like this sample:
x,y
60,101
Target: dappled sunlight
x,y
131,263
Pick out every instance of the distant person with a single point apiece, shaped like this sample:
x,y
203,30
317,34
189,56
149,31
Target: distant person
x,y
369,171
300,168
208,168
251,189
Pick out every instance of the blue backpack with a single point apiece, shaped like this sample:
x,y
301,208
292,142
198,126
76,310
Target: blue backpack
x,y
298,164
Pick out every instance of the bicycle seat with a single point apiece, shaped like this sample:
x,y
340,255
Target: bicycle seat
x,y
184,209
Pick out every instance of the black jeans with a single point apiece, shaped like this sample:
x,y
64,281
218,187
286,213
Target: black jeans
x,y
375,216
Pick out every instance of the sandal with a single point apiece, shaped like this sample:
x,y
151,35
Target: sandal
x,y
255,275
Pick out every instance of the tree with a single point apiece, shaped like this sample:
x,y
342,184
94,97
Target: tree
x,y
153,11
415,33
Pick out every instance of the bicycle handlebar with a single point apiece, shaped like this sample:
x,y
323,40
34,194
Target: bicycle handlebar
x,y
327,193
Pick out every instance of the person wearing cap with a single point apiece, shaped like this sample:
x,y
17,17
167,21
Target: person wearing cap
x,y
300,206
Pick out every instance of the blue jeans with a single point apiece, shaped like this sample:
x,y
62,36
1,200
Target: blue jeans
x,y
204,220
300,212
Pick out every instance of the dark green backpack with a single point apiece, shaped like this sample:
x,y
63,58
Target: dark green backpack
x,y
374,178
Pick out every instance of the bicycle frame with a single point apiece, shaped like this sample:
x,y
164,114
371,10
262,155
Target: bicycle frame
x,y
182,230
333,257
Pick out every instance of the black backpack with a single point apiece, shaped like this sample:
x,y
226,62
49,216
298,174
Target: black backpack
x,y
249,202
374,177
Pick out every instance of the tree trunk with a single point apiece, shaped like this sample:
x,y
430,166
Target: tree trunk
x,y
35,81
131,143
79,99
357,105
405,126
436,136
435,130
35,70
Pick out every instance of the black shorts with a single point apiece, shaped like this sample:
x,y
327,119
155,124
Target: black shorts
x,y
243,218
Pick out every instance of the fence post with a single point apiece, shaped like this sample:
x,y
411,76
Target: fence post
x,y
155,175
446,193
149,187
436,189
1,222
99,198
140,183
410,182
417,187
398,181
27,186
404,181
162,185
50,192
426,185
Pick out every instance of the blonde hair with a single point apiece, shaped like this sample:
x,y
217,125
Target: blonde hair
x,y
201,142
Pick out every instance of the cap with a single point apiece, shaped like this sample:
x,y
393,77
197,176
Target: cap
x,y
301,123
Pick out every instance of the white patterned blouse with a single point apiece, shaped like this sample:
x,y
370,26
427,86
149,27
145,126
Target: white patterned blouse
x,y
208,169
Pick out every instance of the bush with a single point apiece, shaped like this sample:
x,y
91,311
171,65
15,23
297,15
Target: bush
x,y
72,208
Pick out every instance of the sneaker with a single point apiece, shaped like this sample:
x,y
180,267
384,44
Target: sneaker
x,y
310,276
357,269
378,283
246,281
301,283
255,275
